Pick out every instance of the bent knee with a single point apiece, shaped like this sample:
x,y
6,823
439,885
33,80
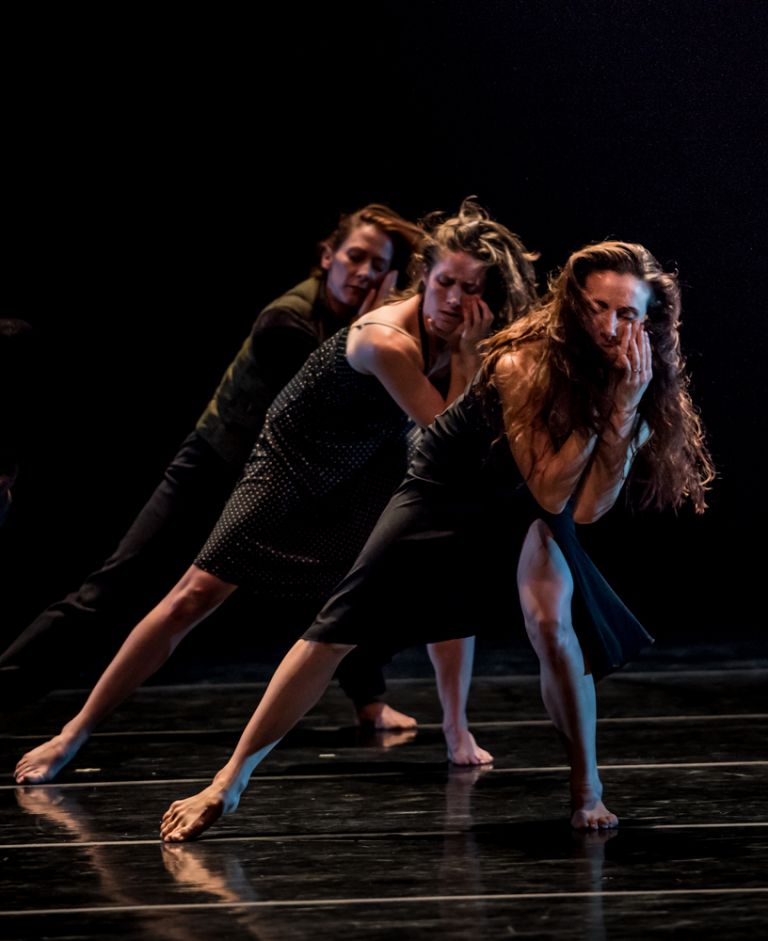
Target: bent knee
x,y
549,635
197,593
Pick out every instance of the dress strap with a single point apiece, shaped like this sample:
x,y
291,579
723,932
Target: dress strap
x,y
383,323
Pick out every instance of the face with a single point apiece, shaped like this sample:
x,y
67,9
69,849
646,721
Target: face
x,y
454,280
357,265
616,299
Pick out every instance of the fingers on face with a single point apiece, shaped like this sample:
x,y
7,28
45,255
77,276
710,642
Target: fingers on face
x,y
639,353
632,352
624,335
647,354
387,285
478,317
469,310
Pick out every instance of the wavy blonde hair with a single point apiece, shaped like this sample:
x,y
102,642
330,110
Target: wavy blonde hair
x,y
510,287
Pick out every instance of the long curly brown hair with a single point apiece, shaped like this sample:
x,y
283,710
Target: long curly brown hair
x,y
568,386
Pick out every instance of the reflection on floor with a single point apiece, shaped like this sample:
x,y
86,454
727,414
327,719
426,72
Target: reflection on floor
x,y
371,835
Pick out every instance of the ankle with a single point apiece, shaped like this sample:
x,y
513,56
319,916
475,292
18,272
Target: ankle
x,y
75,732
586,790
455,725
370,710
231,780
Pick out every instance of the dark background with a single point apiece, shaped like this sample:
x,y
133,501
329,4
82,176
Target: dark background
x,y
169,174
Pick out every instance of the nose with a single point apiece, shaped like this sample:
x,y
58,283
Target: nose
x,y
610,323
365,272
454,296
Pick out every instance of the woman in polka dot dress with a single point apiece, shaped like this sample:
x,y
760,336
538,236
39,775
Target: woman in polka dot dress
x,y
331,452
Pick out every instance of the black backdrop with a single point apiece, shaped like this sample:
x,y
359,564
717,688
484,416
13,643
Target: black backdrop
x,y
169,174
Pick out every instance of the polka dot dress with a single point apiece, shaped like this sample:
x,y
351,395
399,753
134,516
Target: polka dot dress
x,y
332,450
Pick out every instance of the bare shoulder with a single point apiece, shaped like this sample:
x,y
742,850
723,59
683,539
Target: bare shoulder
x,y
515,369
374,344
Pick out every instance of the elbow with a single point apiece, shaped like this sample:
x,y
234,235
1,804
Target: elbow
x,y
583,517
550,505
552,495
548,499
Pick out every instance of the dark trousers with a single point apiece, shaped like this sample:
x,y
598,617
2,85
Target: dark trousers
x,y
155,552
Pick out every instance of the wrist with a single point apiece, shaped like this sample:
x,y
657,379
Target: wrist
x,y
622,415
469,360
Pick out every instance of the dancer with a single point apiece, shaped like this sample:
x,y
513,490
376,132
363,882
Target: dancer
x,y
331,452
587,388
359,263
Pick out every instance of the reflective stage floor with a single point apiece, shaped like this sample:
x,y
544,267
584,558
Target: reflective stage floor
x,y
370,835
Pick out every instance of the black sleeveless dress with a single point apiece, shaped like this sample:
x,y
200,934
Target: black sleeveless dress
x,y
442,560
332,451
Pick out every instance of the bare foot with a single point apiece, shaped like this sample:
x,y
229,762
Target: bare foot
x,y
464,750
44,762
592,814
187,819
382,716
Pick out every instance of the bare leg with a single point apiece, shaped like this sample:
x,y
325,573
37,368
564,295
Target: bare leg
x,y
452,660
298,683
146,648
546,590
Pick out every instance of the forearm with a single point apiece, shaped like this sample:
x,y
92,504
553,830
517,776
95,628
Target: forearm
x,y
452,662
463,369
617,445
